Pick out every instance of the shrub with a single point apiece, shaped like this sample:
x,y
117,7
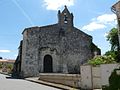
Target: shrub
x,y
114,81
9,68
0,65
101,60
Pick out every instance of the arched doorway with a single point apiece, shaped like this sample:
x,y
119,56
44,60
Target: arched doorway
x,y
48,64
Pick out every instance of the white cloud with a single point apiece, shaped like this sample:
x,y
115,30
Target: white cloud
x,y
93,26
56,4
5,51
101,22
106,18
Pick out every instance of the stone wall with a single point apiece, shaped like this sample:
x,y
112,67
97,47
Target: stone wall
x,y
72,80
68,48
96,77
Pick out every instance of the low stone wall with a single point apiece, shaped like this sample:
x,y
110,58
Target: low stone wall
x,y
96,77
72,80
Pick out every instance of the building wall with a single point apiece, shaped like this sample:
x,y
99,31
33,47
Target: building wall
x,y
29,64
68,48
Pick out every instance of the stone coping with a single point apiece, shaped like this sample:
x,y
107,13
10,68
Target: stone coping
x,y
59,74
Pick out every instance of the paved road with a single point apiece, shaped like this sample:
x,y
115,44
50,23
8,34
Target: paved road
x,y
7,83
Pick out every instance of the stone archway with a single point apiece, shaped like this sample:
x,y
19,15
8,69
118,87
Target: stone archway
x,y
48,64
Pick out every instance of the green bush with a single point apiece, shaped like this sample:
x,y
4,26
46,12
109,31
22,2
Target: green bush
x,y
114,81
101,60
0,65
9,68
114,54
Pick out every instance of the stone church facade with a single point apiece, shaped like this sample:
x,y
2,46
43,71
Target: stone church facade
x,y
57,48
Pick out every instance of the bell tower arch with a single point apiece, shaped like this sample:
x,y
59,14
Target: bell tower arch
x,y
65,18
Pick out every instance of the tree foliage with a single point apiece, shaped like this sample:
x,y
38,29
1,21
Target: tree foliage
x,y
110,56
114,54
112,37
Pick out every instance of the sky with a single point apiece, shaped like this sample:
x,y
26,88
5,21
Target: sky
x,y
91,16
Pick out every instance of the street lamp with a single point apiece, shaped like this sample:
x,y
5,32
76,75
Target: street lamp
x,y
116,9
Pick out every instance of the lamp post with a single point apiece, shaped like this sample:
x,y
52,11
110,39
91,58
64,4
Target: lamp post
x,y
116,9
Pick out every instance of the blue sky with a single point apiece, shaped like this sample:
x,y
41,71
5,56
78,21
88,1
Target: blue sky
x,y
91,16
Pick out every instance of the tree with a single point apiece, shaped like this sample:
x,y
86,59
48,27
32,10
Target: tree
x,y
112,37
114,54
110,56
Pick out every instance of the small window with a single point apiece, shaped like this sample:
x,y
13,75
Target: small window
x,y
65,18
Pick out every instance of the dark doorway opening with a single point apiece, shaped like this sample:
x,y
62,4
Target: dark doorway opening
x,y
48,64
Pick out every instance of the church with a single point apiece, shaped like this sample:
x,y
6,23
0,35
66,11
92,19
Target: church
x,y
57,48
